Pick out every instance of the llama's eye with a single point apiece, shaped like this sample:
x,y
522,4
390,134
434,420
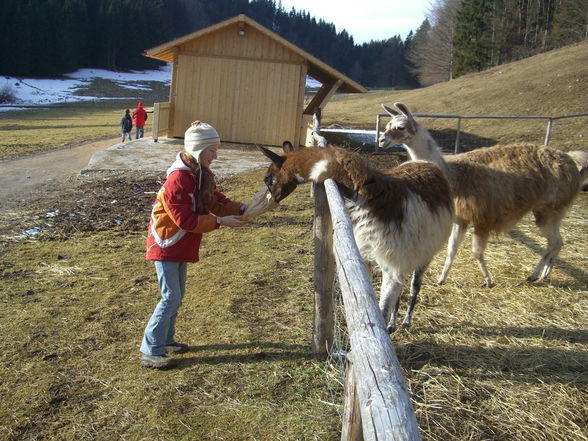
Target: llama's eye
x,y
400,128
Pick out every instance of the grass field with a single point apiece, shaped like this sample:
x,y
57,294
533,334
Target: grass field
x,y
503,364
36,130
506,363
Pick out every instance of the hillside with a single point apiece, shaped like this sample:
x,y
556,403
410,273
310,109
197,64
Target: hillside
x,y
550,84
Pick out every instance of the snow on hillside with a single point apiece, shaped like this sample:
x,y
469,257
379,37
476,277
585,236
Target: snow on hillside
x,y
38,91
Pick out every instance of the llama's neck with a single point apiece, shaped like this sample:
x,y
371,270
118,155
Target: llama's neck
x,y
320,164
423,147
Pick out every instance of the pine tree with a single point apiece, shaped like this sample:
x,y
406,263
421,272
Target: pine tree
x,y
472,37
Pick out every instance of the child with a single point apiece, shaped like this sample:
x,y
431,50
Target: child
x,y
186,206
126,125
139,118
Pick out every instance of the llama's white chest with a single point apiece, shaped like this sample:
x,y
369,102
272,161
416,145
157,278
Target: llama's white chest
x,y
403,246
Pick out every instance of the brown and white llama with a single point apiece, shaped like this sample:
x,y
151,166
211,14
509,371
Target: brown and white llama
x,y
494,187
400,219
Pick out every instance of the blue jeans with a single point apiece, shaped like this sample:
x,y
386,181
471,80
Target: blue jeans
x,y
161,327
139,132
124,135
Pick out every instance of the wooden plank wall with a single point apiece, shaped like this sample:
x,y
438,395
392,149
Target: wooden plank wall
x,y
248,87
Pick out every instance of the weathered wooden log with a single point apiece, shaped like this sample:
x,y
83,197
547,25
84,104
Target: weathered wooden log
x,y
352,428
317,139
385,406
324,275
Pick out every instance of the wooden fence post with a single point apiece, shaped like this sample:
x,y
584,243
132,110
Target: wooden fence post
x,y
155,126
324,274
352,429
324,261
548,132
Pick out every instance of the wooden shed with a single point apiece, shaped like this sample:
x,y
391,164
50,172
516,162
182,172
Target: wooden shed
x,y
245,80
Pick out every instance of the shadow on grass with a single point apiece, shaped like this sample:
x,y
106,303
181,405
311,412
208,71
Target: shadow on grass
x,y
523,363
445,139
256,353
577,274
548,334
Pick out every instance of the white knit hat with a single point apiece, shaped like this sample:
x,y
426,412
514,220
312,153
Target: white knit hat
x,y
199,137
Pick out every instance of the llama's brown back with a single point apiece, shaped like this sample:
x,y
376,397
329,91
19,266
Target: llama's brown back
x,y
494,187
386,192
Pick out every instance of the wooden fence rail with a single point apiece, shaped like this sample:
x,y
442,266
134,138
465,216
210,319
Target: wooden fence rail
x,y
377,404
385,410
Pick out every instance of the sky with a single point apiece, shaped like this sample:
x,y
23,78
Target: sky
x,y
366,20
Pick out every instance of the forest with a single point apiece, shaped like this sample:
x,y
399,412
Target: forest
x,y
463,36
51,37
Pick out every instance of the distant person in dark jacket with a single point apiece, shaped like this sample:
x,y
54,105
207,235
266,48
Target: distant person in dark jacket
x,y
126,125
139,118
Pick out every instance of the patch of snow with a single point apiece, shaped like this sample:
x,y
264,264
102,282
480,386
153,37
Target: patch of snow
x,y
162,74
367,136
312,83
39,91
45,91
29,233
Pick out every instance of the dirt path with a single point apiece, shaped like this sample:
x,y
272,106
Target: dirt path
x,y
19,177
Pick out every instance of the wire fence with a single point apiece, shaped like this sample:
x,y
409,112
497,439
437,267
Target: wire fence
x,y
459,118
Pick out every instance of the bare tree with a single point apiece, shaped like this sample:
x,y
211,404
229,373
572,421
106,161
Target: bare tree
x,y
571,22
432,55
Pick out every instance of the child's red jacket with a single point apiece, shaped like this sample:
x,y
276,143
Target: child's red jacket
x,y
175,228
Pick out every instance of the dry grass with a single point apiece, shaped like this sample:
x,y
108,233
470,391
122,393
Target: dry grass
x,y
73,312
506,363
42,129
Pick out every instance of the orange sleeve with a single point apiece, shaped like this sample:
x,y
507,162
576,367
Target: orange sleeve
x,y
206,223
223,206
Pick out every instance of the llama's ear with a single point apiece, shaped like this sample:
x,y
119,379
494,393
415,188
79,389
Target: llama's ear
x,y
390,111
287,147
274,157
404,110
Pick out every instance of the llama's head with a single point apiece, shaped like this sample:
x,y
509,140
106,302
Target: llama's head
x,y
401,128
279,180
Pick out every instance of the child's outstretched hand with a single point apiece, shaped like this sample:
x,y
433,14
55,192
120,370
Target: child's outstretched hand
x,y
233,221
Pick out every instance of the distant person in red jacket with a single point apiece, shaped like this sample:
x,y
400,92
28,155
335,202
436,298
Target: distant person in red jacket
x,y
187,205
139,118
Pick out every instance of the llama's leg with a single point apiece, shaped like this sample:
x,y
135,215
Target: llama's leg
x,y
415,287
457,234
479,242
390,298
549,227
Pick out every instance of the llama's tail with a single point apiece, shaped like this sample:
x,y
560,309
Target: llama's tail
x,y
580,157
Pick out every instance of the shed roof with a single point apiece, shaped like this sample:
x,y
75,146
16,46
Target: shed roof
x,y
316,68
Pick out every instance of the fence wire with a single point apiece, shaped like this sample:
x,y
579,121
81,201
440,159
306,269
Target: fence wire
x,y
335,366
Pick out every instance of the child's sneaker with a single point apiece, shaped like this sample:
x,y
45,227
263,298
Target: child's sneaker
x,y
176,348
158,361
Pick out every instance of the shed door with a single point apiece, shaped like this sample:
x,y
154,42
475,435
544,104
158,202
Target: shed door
x,y
246,101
